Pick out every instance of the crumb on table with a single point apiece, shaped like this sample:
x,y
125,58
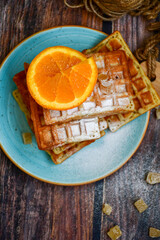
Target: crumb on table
x,y
140,205
106,209
27,138
114,233
153,178
158,113
154,233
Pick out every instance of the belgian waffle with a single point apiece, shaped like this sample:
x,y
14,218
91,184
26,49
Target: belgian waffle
x,y
49,137
103,124
144,95
59,154
60,134
111,94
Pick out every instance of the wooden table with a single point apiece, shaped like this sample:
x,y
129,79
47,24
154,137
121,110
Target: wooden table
x,y
31,209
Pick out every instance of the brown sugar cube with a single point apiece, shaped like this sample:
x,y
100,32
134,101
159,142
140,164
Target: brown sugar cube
x,y
158,113
140,205
107,209
154,233
27,138
114,233
153,178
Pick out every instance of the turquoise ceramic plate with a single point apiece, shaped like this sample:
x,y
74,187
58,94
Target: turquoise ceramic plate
x,y
92,163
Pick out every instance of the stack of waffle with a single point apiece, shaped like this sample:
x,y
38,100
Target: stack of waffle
x,y
122,93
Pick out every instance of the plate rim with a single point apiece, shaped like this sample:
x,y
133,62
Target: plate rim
x,y
68,184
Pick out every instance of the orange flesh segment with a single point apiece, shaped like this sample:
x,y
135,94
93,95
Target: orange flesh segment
x,y
64,91
74,60
47,67
81,69
62,60
49,89
78,83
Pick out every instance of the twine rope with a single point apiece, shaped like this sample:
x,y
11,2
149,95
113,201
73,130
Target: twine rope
x,y
150,52
109,10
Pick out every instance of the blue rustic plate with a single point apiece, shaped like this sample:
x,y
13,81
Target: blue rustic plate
x,y
92,163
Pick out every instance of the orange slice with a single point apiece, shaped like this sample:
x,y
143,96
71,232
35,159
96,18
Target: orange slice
x,y
61,78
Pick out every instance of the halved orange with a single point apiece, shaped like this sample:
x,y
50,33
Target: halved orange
x,y
61,78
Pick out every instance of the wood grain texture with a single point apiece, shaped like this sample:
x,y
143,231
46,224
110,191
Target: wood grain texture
x,y
127,185
31,209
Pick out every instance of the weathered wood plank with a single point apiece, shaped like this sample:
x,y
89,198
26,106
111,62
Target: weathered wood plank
x,y
127,185
31,209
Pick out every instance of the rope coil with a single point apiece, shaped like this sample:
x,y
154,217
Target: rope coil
x,y
109,10
150,53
